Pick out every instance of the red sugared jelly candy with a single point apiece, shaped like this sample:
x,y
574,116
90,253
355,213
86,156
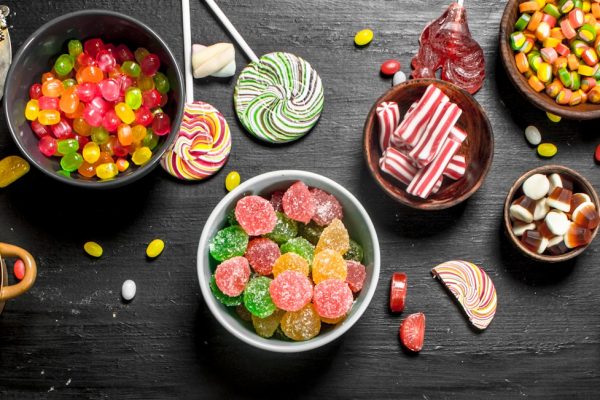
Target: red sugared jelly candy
x,y
327,207
262,254
291,290
332,298
232,275
276,200
298,203
255,215
357,273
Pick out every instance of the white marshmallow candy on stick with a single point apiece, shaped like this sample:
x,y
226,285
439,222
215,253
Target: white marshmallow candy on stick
x,y
388,115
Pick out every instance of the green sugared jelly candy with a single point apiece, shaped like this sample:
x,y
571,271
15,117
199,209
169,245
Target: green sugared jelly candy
x,y
284,230
228,242
300,246
311,232
257,298
222,297
355,253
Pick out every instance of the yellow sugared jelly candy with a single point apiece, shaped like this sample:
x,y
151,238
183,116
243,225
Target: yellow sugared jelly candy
x,y
364,37
93,249
11,169
141,156
547,150
333,321
290,261
328,264
232,180
107,171
266,327
303,324
334,237
155,248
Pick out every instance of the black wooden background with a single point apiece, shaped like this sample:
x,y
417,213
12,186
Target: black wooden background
x,y
71,336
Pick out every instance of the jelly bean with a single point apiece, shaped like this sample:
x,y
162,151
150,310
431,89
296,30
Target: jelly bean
x,y
161,82
151,98
91,74
164,99
128,290
48,117
122,165
547,150
32,109
123,54
19,269
133,98
111,121
131,69
47,76
125,113
99,135
150,65
155,248
11,169
145,83
71,162
48,103
69,101
35,91
363,37
62,129
161,124
138,133
75,48
141,156
69,83
40,130
93,46
390,67
399,77
47,146
143,116
87,170
84,60
125,135
87,91
52,88
92,115
81,127
64,64
67,146
140,53
106,171
105,60
91,152
232,180
151,139
93,249
533,135
109,89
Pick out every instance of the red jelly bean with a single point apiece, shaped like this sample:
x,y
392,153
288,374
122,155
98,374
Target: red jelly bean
x,y
93,46
327,208
87,91
106,61
597,155
19,269
291,290
62,130
125,83
150,65
92,115
111,121
161,124
357,273
298,203
39,129
82,140
232,275
35,91
255,215
262,254
390,67
164,98
398,292
84,60
110,89
48,103
47,146
124,54
143,116
332,298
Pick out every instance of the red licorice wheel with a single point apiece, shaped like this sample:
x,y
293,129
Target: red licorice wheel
x,y
398,292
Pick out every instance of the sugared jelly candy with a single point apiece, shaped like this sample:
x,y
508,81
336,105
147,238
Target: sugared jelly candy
x,y
290,262
161,124
75,47
107,171
150,65
63,64
155,248
291,290
131,68
243,313
47,146
91,152
257,298
48,117
357,273
32,109
301,325
232,180
222,297
67,146
298,203
19,269
141,156
334,237
311,232
363,37
161,83
232,275
266,327
231,218
332,298
255,215
262,253
228,242
11,169
301,247
327,207
93,249
125,113
133,98
328,264
355,252
276,200
71,162
285,229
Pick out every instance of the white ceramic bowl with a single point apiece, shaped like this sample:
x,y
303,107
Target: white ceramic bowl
x,y
358,224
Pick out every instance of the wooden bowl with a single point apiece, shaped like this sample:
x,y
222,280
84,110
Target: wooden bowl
x,y
580,185
540,100
478,148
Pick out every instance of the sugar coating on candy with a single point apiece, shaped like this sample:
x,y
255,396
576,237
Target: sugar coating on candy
x,y
300,246
291,290
356,275
332,298
232,275
333,321
266,327
291,261
285,229
228,242
334,237
257,298
329,264
301,325
311,232
222,297
327,207
231,217
298,203
255,215
277,200
355,252
262,254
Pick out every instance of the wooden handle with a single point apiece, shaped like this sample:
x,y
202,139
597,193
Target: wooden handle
x,y
10,292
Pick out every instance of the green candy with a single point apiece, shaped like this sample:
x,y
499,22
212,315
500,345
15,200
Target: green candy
x,y
151,139
222,297
64,64
257,298
550,9
70,162
133,98
67,83
284,230
355,252
522,22
99,135
67,146
161,83
311,232
131,68
300,246
64,173
231,219
228,242
75,48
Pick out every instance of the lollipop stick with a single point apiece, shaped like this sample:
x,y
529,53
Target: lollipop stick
x,y
460,3
187,51
232,31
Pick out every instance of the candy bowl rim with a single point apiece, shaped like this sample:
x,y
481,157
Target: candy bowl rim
x,y
141,171
540,100
516,186
203,262
430,204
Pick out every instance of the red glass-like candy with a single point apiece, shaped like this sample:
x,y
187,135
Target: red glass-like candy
x,y
47,146
93,46
35,91
390,67
151,98
398,292
161,124
150,65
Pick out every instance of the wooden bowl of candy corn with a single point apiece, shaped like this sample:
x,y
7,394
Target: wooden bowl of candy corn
x,y
551,214
428,144
259,312
554,74
94,78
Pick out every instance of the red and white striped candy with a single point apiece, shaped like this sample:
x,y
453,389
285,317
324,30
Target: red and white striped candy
x,y
388,115
456,168
398,165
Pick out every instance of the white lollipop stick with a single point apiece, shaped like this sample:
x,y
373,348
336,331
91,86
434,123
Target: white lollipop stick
x,y
187,51
460,3
232,31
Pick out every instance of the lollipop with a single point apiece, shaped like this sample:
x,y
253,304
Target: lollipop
x,y
278,97
203,142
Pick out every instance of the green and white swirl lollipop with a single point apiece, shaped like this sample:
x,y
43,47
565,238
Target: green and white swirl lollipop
x,y
279,96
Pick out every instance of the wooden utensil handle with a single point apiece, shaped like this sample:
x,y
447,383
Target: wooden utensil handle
x,y
10,292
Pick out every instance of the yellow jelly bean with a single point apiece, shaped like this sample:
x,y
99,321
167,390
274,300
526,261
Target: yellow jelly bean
x,y
32,110
11,169
93,249
141,155
138,133
49,117
91,152
232,180
547,150
125,113
107,171
364,37
155,248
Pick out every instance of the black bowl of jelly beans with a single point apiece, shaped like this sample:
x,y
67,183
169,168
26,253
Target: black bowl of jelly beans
x,y
94,99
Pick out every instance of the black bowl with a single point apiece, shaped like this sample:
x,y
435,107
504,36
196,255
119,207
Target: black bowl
x,y
33,59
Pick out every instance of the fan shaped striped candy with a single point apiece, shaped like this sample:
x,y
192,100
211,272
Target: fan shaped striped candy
x,y
279,98
202,145
388,115
472,288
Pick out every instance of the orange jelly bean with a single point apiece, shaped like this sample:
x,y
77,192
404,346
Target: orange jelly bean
x,y
90,74
81,127
125,135
48,76
69,101
138,133
105,158
52,88
78,113
87,170
49,117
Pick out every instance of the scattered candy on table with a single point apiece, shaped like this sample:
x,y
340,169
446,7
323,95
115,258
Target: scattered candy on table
x,y
19,269
554,118
155,248
232,180
399,77
11,169
398,292
390,67
93,249
412,332
472,288
597,154
217,60
128,290
533,135
363,37
547,150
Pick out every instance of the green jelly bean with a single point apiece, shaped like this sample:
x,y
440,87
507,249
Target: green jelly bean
x,y
75,48
70,162
64,64
300,246
257,298
100,135
64,173
355,252
133,97
228,242
131,68
284,230
67,83
151,139
67,146
161,83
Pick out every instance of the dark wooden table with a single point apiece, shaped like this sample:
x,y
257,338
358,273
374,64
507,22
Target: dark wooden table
x,y
71,336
